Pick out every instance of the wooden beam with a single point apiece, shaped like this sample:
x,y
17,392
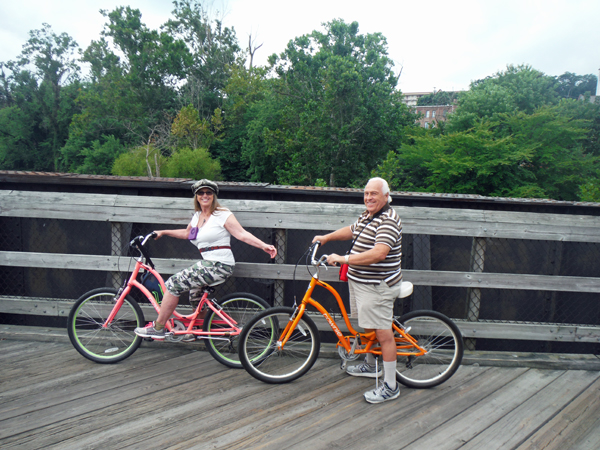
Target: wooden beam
x,y
486,330
301,215
286,272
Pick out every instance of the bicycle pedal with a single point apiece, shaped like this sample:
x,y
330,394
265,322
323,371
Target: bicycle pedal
x,y
343,365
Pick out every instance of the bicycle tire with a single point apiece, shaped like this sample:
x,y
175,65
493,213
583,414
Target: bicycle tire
x,y
443,341
240,306
104,345
261,356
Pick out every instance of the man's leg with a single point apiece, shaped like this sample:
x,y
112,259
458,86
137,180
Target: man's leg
x,y
388,352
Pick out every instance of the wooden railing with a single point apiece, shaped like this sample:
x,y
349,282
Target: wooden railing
x,y
280,216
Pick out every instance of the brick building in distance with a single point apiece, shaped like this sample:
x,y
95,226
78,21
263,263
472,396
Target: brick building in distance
x,y
429,114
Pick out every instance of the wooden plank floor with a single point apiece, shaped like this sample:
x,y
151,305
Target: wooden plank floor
x,y
170,396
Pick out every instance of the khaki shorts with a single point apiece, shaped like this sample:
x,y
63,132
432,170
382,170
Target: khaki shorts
x,y
373,304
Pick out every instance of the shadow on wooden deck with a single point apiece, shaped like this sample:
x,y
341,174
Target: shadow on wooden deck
x,y
176,396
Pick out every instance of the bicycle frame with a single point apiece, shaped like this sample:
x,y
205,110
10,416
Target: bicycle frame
x,y
189,321
404,343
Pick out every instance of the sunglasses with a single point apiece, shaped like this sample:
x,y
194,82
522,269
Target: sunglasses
x,y
203,193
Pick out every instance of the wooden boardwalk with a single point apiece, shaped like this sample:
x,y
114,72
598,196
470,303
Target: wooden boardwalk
x,y
173,396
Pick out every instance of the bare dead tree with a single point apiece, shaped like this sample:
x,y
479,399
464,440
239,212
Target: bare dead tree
x,y
251,49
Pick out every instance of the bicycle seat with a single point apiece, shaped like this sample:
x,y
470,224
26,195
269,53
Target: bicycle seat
x,y
207,288
406,288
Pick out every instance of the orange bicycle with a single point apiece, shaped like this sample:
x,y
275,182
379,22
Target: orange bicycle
x,y
281,344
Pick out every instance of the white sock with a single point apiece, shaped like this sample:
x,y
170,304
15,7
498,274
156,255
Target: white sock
x,y
370,359
389,373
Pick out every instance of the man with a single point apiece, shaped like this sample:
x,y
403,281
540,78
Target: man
x,y
374,278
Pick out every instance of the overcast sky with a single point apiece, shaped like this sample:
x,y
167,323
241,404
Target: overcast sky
x,y
437,44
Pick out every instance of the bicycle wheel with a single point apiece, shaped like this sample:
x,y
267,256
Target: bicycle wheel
x,y
264,360
97,343
443,341
241,307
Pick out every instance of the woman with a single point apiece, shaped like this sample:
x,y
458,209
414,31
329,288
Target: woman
x,y
210,230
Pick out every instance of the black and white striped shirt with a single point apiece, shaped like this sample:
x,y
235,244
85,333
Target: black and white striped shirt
x,y
384,228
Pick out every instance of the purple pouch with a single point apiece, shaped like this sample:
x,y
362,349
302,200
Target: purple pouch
x,y
193,233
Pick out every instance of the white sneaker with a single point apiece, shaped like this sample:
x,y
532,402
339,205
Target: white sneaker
x,y
364,369
382,394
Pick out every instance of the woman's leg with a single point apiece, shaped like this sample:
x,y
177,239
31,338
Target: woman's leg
x,y
167,306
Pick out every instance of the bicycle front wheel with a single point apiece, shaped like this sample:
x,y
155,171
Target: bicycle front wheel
x,y
241,307
260,352
101,344
441,339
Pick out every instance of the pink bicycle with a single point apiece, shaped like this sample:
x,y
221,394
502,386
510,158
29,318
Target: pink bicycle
x,y
101,323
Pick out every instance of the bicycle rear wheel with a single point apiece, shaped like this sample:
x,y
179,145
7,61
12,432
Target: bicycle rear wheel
x,y
102,344
264,360
443,341
241,307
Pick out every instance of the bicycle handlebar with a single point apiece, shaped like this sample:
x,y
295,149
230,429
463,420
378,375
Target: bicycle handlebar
x,y
321,260
138,244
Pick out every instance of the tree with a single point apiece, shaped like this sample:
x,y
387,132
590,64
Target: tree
x,y
100,157
193,163
519,88
332,112
136,162
193,132
518,155
39,92
438,98
570,85
140,77
214,51
244,89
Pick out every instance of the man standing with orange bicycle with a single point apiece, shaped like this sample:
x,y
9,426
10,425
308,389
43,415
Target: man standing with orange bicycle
x,y
374,278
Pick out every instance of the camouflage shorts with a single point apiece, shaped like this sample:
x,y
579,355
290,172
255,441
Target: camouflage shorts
x,y
200,274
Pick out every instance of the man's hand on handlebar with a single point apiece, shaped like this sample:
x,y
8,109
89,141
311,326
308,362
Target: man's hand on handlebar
x,y
319,239
335,260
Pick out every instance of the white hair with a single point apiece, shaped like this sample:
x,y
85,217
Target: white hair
x,y
385,189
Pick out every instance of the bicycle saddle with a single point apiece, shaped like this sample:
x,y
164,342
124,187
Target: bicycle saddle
x,y
406,288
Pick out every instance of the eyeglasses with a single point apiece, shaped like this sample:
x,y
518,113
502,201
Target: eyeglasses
x,y
203,193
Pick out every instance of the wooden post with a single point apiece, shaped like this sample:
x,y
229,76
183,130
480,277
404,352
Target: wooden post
x,y
119,237
279,286
422,295
478,248
554,260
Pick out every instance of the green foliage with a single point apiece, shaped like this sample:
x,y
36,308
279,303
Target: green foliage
x,y
326,112
518,155
38,101
570,85
100,157
519,88
145,161
245,87
331,113
438,98
214,53
192,131
590,191
192,163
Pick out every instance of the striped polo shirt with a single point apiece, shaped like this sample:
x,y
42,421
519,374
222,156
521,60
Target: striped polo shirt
x,y
384,228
